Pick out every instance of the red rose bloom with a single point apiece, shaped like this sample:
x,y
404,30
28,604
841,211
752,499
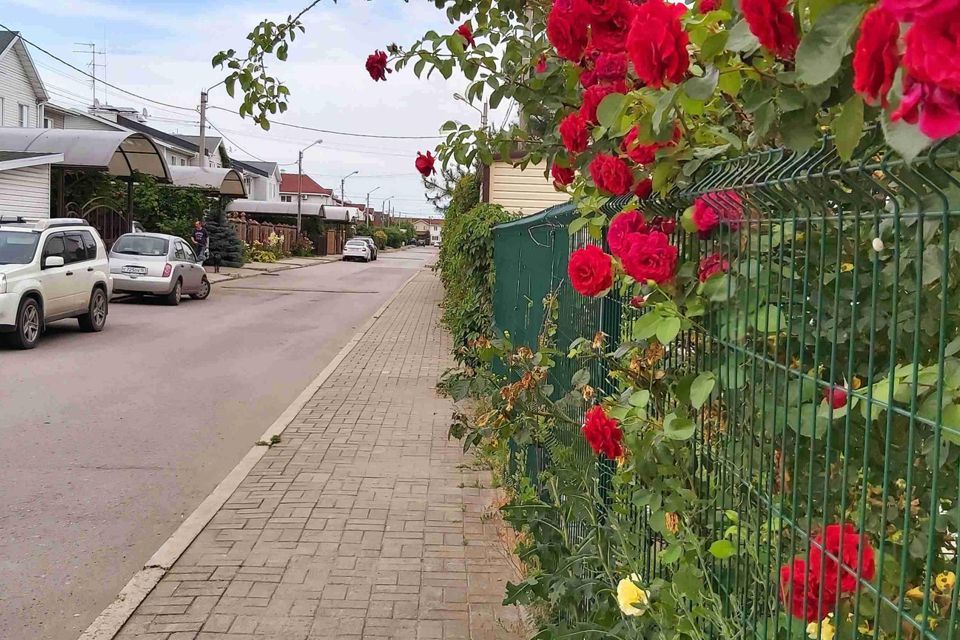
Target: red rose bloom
x,y
800,592
773,25
541,65
934,109
377,65
644,188
424,164
611,174
467,33
562,176
876,56
590,271
837,397
622,225
566,31
668,225
916,10
711,265
573,132
706,6
603,433
639,153
855,556
597,10
705,217
649,256
611,67
657,43
611,34
593,96
712,209
932,53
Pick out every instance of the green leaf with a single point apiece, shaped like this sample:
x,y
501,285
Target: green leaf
x,y
578,224
719,289
730,82
848,126
639,398
702,88
662,173
677,428
822,50
664,104
714,44
668,329
951,423
741,39
701,388
904,138
770,320
932,264
722,549
610,109
799,129
646,325
580,378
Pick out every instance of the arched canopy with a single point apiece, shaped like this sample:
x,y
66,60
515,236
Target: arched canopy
x,y
119,153
310,209
226,182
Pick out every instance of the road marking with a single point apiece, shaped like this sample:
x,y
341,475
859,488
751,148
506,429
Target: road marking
x,y
112,619
248,288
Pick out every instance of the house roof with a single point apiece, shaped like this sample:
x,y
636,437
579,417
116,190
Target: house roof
x,y
56,108
20,159
251,167
11,41
226,182
288,184
211,143
267,167
163,136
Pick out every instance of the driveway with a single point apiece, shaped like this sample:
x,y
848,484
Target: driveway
x,y
108,441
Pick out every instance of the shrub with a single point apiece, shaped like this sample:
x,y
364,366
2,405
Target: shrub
x,y
303,247
380,238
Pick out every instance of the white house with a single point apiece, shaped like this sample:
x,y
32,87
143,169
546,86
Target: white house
x,y
262,179
293,183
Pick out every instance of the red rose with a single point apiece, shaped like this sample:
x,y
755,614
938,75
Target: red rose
x,y
668,225
588,78
590,271
855,555
705,217
611,67
424,164
706,6
622,225
611,34
574,133
593,96
876,56
637,302
773,25
467,33
603,433
657,43
934,109
800,592
644,188
611,174
541,65
562,176
566,31
932,53
597,10
649,256
639,153
915,10
712,209
377,65
837,397
711,265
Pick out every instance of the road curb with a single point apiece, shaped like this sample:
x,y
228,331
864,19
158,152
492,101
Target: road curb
x,y
112,619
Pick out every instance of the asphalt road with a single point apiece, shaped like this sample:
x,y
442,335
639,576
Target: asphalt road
x,y
108,441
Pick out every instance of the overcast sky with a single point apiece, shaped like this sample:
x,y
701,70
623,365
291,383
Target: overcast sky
x,y
161,49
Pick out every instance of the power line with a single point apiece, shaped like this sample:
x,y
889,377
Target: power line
x,y
339,133
81,71
232,142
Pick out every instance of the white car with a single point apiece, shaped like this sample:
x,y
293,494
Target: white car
x,y
51,270
356,250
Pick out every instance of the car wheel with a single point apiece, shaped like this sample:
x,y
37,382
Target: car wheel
x,y
173,298
96,316
204,291
29,325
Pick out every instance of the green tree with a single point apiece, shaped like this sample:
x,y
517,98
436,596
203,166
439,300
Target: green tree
x,y
224,242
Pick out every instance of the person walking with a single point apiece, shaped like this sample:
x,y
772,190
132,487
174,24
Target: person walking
x,y
201,241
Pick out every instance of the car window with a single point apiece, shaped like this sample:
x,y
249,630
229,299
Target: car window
x,y
89,244
178,252
17,247
136,245
188,253
53,246
73,249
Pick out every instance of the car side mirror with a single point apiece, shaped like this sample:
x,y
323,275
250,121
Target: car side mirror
x,y
53,261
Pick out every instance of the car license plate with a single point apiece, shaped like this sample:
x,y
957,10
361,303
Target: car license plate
x,y
134,271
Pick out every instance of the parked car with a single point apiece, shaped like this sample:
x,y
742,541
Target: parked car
x,y
370,241
51,270
356,249
421,242
434,243
157,264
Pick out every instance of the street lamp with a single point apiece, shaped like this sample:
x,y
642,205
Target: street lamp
x,y
343,197
300,179
384,208
368,204
483,113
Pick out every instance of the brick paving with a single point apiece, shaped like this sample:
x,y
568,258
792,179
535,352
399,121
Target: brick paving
x,y
364,522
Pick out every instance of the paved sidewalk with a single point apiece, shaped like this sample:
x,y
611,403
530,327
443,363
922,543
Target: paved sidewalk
x,y
362,523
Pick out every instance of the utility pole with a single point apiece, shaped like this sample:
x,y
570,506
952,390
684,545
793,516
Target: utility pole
x,y
203,129
300,181
343,180
91,48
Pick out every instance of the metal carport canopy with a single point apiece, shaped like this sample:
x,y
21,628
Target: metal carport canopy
x,y
226,182
274,208
120,153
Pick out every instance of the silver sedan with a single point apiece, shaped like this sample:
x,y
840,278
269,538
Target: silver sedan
x,y
157,264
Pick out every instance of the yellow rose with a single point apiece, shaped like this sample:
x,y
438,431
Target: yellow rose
x,y
823,630
632,599
946,581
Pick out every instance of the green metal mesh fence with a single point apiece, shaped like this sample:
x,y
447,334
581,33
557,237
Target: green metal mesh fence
x,y
844,276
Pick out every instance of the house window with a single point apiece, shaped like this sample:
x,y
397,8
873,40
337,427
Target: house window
x,y
286,198
47,123
24,115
